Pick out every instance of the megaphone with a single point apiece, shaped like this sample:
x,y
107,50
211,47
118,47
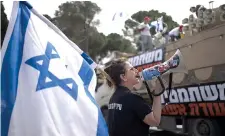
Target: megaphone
x,y
173,65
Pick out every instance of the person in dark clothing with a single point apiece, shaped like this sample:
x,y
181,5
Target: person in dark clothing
x,y
129,114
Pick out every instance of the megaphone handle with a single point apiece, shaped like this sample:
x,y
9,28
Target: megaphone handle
x,y
161,83
148,90
170,86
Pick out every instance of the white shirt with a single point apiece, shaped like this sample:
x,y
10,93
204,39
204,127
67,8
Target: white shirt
x,y
158,25
174,32
146,30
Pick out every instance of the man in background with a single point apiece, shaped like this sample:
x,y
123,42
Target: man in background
x,y
175,33
145,35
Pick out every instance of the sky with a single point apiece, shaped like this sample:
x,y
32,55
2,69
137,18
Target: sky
x,y
178,9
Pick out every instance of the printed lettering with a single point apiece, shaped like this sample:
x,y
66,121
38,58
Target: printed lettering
x,y
173,109
158,55
204,93
150,57
173,96
207,94
192,91
164,111
204,108
109,106
136,61
207,109
167,108
182,109
210,108
146,58
219,108
164,96
194,109
120,106
115,106
222,108
183,95
221,88
142,59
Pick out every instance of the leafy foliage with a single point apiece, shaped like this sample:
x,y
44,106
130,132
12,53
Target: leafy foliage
x,y
76,20
4,23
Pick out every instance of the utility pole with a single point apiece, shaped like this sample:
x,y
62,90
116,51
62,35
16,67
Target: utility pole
x,y
86,27
211,3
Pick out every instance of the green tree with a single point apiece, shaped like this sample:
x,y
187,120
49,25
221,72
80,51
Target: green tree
x,y
4,23
118,43
97,42
49,18
76,19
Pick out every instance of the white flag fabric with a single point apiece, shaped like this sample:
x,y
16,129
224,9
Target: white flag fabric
x,y
158,24
120,16
47,82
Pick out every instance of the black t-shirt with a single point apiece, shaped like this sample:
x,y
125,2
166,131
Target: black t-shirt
x,y
126,114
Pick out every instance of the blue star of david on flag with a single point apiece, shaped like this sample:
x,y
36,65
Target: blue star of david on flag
x,y
51,53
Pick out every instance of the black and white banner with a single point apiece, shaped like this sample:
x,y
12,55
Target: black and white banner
x,y
205,100
148,59
207,92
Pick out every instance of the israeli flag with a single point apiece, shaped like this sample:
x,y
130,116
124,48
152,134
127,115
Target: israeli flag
x,y
158,24
121,16
47,82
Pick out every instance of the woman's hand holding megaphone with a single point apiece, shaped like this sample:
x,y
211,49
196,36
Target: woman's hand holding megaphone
x,y
153,74
174,64
158,86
